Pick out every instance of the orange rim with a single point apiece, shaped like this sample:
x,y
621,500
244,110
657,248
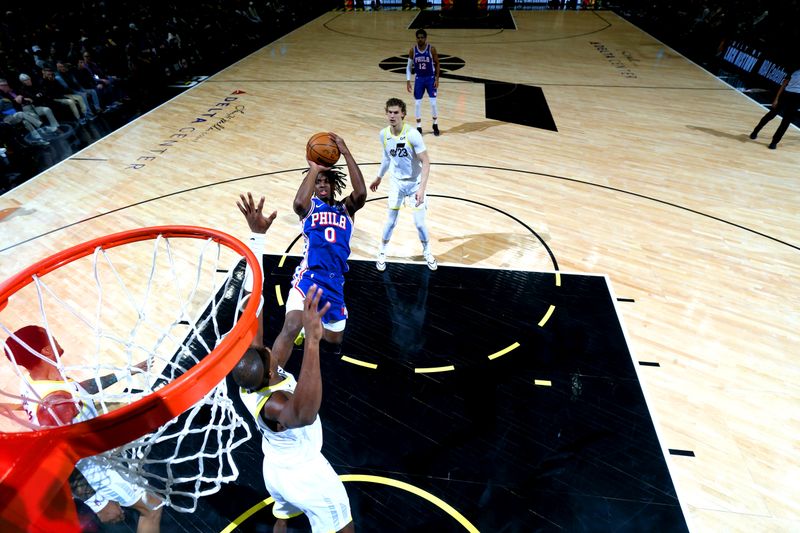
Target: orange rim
x,y
127,423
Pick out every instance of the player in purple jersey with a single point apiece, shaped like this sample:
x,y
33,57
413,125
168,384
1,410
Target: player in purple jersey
x,y
327,228
426,78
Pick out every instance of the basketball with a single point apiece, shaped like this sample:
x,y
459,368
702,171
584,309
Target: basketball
x,y
322,149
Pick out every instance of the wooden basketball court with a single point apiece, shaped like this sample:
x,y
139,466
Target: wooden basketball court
x,y
648,179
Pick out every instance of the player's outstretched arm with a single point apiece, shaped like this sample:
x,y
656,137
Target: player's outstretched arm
x,y
95,385
258,224
301,408
358,197
254,213
302,200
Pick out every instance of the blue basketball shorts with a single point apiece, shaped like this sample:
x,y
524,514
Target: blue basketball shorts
x,y
424,84
332,286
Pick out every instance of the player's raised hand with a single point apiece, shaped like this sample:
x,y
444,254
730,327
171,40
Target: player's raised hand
x,y
312,314
253,213
312,165
340,144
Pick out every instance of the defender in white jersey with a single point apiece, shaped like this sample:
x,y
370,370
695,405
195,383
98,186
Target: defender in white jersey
x,y
296,473
49,400
406,160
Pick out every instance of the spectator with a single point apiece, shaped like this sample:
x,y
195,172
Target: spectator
x,y
29,105
66,77
33,89
97,73
252,13
87,81
53,90
38,56
11,115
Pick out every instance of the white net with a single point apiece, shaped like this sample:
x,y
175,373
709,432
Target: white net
x,y
112,328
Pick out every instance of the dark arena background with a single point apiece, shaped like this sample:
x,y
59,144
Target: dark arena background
x,y
609,342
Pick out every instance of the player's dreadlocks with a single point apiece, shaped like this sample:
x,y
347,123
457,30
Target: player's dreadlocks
x,y
336,178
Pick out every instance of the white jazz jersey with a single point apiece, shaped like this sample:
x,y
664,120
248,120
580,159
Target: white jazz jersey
x,y
296,474
107,483
402,152
292,445
33,392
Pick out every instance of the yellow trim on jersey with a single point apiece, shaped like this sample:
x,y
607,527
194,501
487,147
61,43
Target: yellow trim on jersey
x,y
260,405
270,389
59,382
50,386
387,132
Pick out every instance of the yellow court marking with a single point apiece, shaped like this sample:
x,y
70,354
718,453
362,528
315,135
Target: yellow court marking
x,y
546,317
438,502
504,351
247,514
434,369
558,279
373,366
543,382
282,261
278,295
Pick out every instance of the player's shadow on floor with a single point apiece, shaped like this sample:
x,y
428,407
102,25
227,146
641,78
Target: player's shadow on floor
x,y
741,137
470,127
471,249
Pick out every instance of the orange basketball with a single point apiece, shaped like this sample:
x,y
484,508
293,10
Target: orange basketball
x,y
322,149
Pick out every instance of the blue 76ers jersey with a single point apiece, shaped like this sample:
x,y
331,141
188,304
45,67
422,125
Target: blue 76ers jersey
x,y
326,232
423,62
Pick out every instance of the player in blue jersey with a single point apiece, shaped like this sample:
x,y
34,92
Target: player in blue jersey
x,y
285,410
426,78
327,227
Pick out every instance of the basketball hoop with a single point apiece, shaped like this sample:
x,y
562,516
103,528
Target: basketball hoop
x,y
188,352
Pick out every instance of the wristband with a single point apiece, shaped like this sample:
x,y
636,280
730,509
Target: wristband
x,y
256,242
